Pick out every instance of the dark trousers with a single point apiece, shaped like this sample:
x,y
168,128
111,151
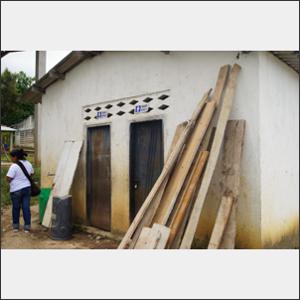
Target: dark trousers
x,y
21,199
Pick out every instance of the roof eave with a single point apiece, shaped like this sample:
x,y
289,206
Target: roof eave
x,y
35,92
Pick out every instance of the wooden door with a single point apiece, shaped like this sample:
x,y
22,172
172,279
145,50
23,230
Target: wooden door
x,y
146,161
99,177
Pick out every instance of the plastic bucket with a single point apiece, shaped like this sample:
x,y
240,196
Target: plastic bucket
x,y
43,199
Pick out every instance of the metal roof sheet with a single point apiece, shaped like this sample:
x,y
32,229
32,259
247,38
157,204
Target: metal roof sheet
x,y
291,58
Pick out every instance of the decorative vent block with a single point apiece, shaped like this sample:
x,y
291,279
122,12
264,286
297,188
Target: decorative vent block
x,y
148,99
150,104
163,107
163,97
133,102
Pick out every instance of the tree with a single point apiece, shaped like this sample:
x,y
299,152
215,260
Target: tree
x,y
13,85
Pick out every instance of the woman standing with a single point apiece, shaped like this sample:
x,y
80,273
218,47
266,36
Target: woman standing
x,y
20,188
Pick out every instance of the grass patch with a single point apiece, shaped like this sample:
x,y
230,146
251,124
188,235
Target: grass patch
x,y
5,196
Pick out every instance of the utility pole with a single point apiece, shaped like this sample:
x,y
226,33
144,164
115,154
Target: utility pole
x,y
40,70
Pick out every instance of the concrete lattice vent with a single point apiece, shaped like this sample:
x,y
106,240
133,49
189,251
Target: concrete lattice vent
x,y
120,113
163,97
121,104
148,99
108,106
163,107
133,102
131,112
97,108
87,118
88,110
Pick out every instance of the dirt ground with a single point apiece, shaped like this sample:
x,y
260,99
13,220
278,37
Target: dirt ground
x,y
38,237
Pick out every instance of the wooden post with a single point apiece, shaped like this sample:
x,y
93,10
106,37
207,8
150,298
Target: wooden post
x,y
40,70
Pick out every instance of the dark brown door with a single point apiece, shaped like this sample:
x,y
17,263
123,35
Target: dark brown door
x,y
146,161
99,177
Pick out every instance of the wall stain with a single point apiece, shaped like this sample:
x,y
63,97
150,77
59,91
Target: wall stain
x,y
286,237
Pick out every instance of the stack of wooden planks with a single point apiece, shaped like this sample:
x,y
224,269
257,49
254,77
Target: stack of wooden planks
x,y
170,214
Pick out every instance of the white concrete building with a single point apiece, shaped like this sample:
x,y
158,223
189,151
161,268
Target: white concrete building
x,y
24,135
105,98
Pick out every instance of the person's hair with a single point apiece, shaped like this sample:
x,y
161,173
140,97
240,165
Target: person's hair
x,y
19,154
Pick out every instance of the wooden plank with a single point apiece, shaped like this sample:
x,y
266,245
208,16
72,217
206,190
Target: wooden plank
x,y
231,172
164,235
187,195
179,175
221,222
58,174
148,238
153,238
143,238
64,177
62,188
155,202
168,167
178,132
213,157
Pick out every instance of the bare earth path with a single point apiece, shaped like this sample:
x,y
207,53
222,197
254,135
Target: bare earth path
x,y
38,237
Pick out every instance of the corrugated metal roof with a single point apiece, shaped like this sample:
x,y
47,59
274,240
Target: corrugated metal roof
x,y
291,58
35,92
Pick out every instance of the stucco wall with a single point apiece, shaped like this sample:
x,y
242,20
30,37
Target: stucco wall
x,y
188,75
279,150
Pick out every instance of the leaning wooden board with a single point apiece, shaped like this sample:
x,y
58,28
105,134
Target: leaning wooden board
x,y
187,196
213,157
231,173
153,238
221,222
63,176
179,175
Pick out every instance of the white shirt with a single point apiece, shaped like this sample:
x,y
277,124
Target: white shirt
x,y
19,180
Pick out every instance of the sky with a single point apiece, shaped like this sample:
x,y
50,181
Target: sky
x,y
25,61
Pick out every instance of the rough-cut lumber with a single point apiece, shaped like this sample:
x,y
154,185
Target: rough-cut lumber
x,y
153,238
63,176
221,222
179,175
147,218
168,167
231,172
164,235
187,195
213,157
143,238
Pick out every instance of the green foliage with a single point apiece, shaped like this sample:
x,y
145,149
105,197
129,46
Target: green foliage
x,y
13,85
5,197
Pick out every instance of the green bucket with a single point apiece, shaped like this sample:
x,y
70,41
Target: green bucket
x,y
43,199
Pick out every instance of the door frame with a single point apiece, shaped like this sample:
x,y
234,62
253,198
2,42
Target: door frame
x,y
142,120
86,152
